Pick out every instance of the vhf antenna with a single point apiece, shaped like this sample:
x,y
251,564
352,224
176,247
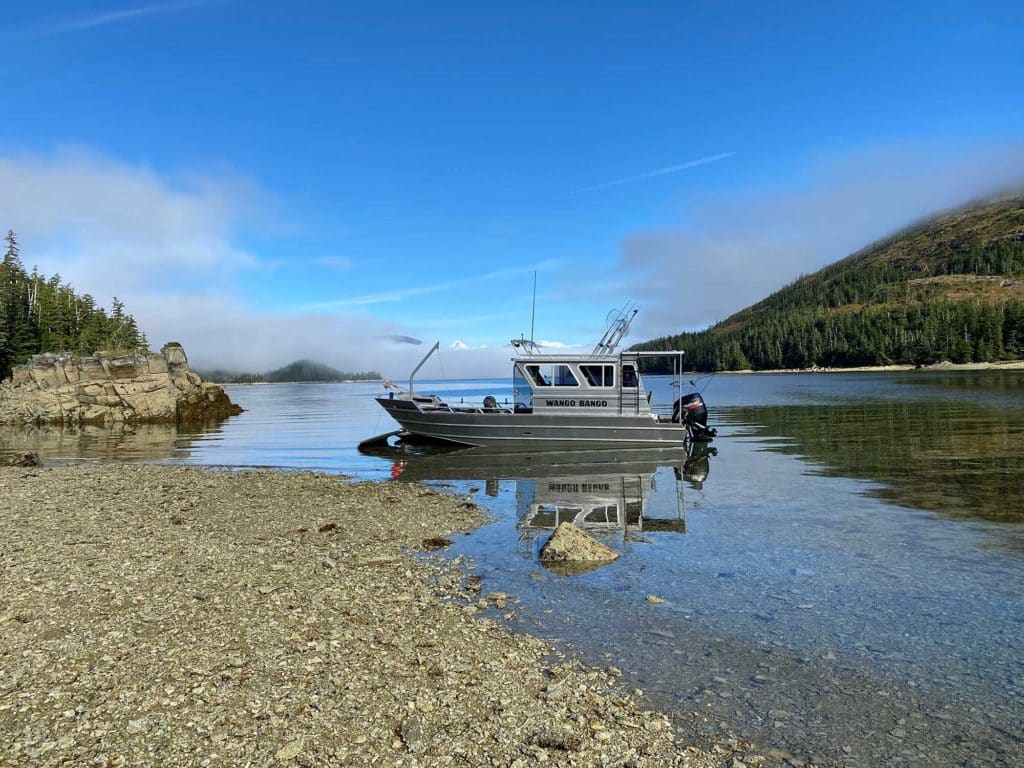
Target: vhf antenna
x,y
533,308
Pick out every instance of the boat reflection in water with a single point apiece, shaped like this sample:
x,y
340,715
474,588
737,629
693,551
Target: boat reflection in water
x,y
606,493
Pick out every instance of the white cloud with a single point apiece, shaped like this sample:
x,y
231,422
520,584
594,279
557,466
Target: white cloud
x,y
459,345
737,250
112,228
167,246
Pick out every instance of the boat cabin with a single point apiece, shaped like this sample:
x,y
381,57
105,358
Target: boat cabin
x,y
579,383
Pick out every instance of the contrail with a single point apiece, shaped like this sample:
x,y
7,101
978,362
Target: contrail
x,y
659,172
400,294
117,17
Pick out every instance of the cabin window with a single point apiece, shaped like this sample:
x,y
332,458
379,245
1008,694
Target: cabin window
x,y
599,375
552,375
629,378
564,377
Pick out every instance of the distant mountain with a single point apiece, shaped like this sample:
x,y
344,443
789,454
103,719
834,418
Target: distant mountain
x,y
300,370
949,288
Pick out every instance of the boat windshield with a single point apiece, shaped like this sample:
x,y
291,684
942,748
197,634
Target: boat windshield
x,y
521,391
552,375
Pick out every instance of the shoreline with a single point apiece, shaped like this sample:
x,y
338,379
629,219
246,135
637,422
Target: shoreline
x,y
1008,365
164,615
261,383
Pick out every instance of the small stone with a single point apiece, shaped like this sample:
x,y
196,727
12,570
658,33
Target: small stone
x,y
654,600
411,731
436,542
290,750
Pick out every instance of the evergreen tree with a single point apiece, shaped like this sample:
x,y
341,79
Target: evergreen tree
x,y
45,315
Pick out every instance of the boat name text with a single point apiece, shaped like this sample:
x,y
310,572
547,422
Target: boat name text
x,y
576,403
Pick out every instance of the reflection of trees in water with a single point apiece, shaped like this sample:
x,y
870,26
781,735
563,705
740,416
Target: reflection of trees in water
x,y
150,442
956,459
988,381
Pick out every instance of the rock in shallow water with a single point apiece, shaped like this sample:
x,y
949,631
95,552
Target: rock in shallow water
x,y
571,550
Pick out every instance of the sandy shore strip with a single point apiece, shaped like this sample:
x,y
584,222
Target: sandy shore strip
x,y
156,615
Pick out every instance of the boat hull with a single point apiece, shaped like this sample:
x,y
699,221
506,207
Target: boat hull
x,y
551,430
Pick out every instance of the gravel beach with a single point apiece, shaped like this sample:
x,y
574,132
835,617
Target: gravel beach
x,y
155,615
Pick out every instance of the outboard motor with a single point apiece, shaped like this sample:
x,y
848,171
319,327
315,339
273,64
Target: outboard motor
x,y
691,411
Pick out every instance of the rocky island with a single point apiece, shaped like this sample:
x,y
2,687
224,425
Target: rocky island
x,y
106,388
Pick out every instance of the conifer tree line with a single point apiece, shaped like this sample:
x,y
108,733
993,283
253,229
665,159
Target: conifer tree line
x,y
41,314
877,308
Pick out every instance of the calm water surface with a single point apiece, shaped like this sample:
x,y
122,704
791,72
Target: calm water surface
x,y
843,573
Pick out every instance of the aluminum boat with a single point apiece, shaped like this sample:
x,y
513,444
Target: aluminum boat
x,y
561,401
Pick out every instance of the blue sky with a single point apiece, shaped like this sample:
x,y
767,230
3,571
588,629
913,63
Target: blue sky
x,y
263,178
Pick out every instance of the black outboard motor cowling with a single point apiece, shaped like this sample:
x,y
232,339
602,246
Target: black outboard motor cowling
x,y
691,411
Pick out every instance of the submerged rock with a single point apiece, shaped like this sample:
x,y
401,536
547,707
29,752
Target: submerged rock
x,y
112,389
570,550
23,459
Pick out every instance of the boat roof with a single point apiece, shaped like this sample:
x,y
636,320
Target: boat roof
x,y
605,349
577,357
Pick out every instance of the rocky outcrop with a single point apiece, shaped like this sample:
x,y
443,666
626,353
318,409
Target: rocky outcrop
x,y
112,389
570,550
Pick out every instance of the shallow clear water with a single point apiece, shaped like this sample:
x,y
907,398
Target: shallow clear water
x,y
843,574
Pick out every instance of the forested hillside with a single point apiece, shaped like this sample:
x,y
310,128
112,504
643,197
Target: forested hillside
x,y
309,370
41,314
951,288
300,370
